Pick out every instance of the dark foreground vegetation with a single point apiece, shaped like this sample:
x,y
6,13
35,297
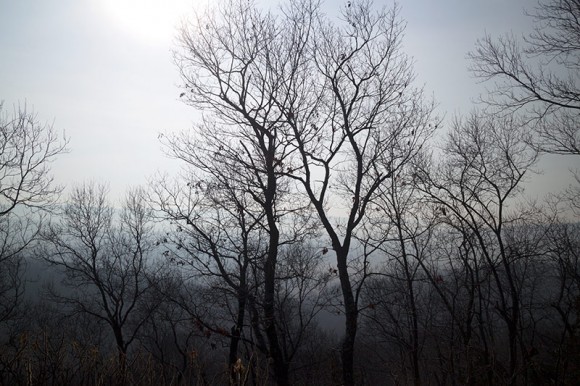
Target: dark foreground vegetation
x,y
319,190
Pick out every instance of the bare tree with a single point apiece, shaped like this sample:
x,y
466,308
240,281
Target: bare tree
x,y
355,119
218,240
560,268
539,76
300,102
27,148
105,260
401,230
232,62
486,160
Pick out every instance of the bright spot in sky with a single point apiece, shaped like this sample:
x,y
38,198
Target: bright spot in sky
x,y
152,21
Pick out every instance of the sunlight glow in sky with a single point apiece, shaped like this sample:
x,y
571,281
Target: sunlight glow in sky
x,y
148,20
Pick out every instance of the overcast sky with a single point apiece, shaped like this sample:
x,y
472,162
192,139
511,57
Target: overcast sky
x,y
102,71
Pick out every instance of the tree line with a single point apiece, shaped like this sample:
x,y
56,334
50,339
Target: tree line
x,y
319,187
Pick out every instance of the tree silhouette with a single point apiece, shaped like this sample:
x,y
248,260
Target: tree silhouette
x,y
539,77
27,191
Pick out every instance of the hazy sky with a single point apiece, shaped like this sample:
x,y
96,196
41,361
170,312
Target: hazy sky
x,y
101,70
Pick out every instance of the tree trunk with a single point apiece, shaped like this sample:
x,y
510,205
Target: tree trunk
x,y
351,319
122,355
236,334
279,364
